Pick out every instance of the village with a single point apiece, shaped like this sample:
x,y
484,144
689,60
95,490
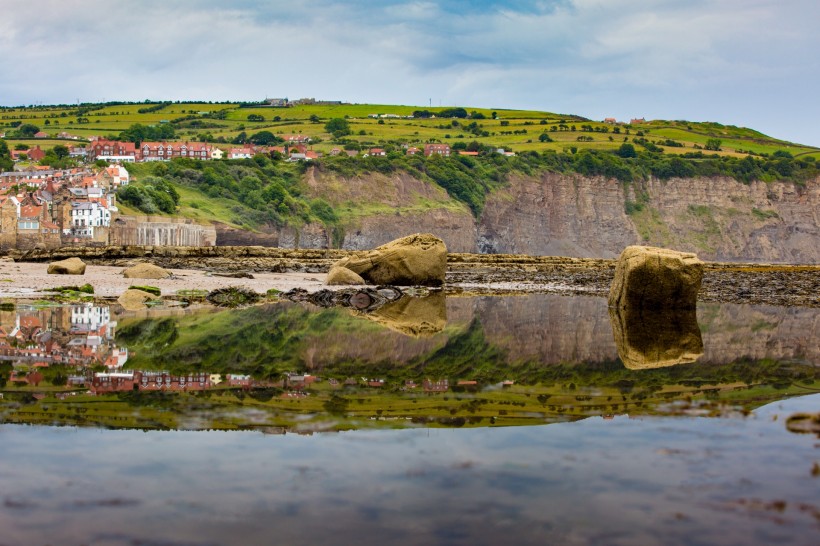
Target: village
x,y
42,207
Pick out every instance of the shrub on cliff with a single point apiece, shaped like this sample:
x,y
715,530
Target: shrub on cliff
x,y
152,195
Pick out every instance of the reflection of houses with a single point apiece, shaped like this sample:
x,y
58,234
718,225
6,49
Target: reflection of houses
x,y
238,380
78,336
298,381
440,385
165,381
103,382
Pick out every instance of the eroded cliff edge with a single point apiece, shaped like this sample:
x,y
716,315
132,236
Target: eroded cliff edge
x,y
569,215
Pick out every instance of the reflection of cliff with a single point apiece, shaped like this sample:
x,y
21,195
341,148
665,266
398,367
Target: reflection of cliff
x,y
494,333
757,332
547,328
554,329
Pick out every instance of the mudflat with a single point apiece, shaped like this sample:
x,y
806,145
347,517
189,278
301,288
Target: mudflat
x,y
30,280
768,284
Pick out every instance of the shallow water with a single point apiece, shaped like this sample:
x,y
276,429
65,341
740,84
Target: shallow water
x,y
695,453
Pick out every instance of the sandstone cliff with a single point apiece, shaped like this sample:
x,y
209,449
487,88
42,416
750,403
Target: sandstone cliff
x,y
568,215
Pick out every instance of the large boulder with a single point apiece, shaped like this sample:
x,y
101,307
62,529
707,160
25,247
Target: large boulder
x,y
146,271
70,266
342,276
656,278
415,260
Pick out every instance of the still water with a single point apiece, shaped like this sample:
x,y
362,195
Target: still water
x,y
527,420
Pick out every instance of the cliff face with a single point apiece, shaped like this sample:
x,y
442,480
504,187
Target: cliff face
x,y
718,218
570,215
557,215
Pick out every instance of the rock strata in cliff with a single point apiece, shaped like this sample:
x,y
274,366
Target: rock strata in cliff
x,y
718,218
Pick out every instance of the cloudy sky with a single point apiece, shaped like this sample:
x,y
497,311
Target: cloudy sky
x,y
754,63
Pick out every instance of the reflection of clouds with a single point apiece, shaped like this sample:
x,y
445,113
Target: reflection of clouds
x,y
580,481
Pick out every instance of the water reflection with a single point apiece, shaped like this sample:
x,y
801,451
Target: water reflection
x,y
414,361
606,471
655,338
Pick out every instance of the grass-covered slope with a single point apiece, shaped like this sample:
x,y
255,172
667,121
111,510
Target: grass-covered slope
x,y
519,130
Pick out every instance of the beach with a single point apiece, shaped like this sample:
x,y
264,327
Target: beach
x,y
31,280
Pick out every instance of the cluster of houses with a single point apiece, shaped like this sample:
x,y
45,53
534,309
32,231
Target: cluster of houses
x,y
296,148
49,208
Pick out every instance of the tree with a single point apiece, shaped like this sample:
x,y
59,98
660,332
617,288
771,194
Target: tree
x,y
544,137
713,144
255,117
626,150
6,164
27,130
264,138
338,127
60,151
314,118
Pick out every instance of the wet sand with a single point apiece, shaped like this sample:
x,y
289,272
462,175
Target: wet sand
x,y
30,280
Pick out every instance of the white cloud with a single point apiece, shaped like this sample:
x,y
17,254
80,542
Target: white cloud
x,y
673,58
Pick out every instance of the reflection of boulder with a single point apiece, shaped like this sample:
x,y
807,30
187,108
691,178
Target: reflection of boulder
x,y
412,316
133,299
649,338
656,278
804,423
415,260
362,299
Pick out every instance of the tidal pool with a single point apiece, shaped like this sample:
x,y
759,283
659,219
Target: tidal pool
x,y
501,420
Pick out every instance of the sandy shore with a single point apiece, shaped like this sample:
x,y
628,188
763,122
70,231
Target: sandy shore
x,y
30,280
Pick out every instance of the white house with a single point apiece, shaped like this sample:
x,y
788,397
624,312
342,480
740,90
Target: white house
x,y
87,215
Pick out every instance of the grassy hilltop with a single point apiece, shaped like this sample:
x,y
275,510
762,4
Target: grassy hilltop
x,y
268,191
517,130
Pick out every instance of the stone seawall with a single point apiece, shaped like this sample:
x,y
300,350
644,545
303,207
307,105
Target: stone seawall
x,y
160,231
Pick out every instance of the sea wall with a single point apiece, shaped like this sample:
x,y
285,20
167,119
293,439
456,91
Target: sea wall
x,y
160,231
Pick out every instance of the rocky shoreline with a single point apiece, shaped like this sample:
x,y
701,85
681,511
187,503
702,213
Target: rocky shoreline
x,y
770,284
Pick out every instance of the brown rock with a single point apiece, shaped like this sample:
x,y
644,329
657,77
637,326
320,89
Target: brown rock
x,y
133,299
656,278
415,260
71,266
146,271
343,276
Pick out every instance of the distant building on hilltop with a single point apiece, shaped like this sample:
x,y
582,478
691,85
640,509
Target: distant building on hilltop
x,y
439,149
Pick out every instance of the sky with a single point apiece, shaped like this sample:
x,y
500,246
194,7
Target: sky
x,y
751,63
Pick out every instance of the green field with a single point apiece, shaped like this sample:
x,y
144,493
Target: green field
x,y
516,130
